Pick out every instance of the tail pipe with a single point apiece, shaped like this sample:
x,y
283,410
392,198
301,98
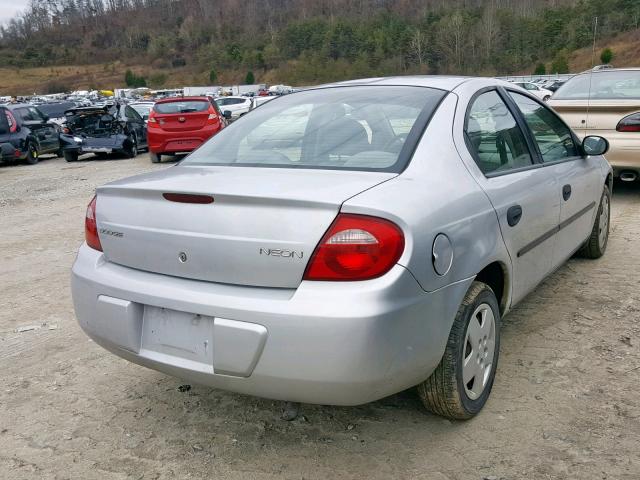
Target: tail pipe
x,y
628,176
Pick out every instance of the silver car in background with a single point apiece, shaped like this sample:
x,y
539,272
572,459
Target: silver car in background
x,y
345,243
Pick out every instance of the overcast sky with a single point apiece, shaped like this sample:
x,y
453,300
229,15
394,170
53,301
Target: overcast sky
x,y
8,8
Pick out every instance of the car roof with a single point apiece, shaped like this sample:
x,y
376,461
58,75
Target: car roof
x,y
14,106
442,82
609,70
180,99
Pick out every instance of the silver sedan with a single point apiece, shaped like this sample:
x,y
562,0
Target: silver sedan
x,y
344,243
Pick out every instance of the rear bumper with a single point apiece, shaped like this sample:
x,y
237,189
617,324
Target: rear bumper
x,y
624,151
161,141
325,343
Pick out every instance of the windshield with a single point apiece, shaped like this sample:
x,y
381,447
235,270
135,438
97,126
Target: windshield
x,y
352,128
182,106
602,85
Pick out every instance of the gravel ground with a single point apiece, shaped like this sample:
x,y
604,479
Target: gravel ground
x,y
564,404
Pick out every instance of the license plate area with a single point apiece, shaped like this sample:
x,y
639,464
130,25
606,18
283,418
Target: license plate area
x,y
178,338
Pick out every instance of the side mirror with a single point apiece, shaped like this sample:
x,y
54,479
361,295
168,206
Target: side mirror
x,y
145,117
227,114
594,145
46,118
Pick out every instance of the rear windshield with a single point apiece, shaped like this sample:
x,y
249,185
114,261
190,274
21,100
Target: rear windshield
x,y
351,128
182,106
601,85
55,110
29,114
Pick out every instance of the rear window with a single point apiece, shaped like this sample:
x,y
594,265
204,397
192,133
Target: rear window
x,y
184,106
601,85
29,114
351,128
56,110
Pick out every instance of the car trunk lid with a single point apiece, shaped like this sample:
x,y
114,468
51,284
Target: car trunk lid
x,y
260,229
602,114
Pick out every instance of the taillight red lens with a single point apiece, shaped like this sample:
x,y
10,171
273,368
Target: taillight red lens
x,y
630,123
356,247
91,227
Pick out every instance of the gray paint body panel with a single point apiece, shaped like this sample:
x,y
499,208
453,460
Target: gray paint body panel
x,y
277,336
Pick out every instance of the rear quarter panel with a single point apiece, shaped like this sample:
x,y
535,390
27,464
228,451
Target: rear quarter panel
x,y
436,194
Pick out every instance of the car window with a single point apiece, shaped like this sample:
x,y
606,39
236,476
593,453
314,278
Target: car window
x,y
235,101
601,85
4,122
29,114
331,128
495,138
185,106
132,115
552,135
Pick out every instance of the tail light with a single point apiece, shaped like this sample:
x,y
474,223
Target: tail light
x,y
213,117
151,121
630,123
66,130
356,247
91,227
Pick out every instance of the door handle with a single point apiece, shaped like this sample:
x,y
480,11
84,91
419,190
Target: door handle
x,y
566,192
514,214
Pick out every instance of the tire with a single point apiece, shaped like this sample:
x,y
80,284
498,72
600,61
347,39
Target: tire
x,y
444,392
155,157
70,156
132,150
547,98
32,154
596,245
59,153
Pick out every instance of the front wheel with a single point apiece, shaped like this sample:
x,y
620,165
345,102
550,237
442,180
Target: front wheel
x,y
599,238
460,385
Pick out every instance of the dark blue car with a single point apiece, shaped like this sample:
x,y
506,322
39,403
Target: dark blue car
x,y
26,133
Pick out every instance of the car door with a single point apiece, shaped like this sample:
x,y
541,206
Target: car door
x,y
136,124
579,178
523,195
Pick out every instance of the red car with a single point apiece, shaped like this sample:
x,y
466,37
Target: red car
x,y
182,124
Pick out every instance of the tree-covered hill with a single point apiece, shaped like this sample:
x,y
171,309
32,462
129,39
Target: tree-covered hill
x,y
306,41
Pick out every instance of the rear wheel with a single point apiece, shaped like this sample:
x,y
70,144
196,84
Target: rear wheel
x,y
460,385
131,150
155,157
71,156
597,242
32,154
546,98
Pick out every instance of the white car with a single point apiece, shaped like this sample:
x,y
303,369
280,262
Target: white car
x,y
538,91
238,106
257,101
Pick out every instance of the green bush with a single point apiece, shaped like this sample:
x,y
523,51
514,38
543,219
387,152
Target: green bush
x,y
250,79
606,56
560,64
541,69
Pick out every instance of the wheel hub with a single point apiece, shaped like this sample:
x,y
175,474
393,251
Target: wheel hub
x,y
479,347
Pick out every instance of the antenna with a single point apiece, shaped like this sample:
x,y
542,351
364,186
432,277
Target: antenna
x,y
593,59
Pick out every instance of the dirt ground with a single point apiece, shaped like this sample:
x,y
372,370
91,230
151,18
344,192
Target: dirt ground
x,y
565,404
